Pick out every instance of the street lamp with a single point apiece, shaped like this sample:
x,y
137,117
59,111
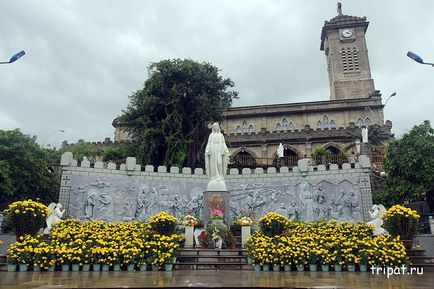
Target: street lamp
x,y
418,59
54,132
393,94
14,57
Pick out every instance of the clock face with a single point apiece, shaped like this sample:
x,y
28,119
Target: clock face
x,y
347,33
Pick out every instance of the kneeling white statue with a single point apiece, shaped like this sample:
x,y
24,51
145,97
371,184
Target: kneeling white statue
x,y
54,216
376,214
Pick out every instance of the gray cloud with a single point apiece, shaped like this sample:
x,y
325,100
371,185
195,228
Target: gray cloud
x,y
85,57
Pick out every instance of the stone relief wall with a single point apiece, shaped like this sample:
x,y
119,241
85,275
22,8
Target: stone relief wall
x,y
304,192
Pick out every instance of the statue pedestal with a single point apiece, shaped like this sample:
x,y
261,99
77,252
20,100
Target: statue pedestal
x,y
189,236
245,234
216,200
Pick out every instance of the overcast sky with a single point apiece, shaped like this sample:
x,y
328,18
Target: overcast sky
x,y
83,58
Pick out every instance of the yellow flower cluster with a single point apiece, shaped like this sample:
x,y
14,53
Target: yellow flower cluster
x,y
30,250
189,221
273,224
75,242
163,223
325,243
398,210
163,248
26,217
401,221
29,207
244,221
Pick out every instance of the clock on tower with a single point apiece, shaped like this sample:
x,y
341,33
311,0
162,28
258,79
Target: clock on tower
x,y
344,44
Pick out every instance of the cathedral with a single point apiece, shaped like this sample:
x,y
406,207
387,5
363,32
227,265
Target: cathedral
x,y
254,133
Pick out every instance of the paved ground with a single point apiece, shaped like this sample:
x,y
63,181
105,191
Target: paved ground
x,y
213,279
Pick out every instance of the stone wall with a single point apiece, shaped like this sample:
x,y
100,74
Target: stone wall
x,y
135,192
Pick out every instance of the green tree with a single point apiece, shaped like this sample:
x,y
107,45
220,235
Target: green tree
x,y
167,118
83,149
25,170
409,165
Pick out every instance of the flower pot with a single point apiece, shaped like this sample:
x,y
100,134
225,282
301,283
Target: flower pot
x,y
408,244
351,268
257,267
203,246
231,246
51,268
130,267
174,260
217,222
276,268
168,267
105,267
12,267
266,267
300,268
325,268
143,267
116,267
86,267
75,267
338,268
287,268
24,267
313,267
36,268
65,267
155,267
96,267
363,267
249,260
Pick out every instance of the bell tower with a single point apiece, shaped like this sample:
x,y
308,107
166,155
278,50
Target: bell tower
x,y
344,44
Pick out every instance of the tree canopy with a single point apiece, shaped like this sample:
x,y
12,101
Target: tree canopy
x,y
26,169
409,165
167,118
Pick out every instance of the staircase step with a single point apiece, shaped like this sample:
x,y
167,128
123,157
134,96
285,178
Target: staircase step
x,y
212,266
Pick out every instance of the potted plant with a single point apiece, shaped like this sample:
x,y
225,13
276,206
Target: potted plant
x,y
204,240
402,221
230,240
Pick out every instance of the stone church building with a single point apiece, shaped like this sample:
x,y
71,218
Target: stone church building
x,y
255,132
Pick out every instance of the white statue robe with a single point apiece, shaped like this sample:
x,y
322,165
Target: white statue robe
x,y
216,156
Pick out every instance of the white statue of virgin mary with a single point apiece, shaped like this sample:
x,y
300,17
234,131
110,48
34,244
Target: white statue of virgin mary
x,y
216,159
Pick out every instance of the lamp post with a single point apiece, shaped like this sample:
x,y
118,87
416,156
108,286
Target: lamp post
x,y
418,59
51,134
14,57
393,94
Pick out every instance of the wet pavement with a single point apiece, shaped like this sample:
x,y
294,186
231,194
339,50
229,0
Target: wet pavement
x,y
212,279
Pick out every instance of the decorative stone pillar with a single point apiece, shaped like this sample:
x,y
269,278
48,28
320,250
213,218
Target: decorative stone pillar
x,y
245,234
189,236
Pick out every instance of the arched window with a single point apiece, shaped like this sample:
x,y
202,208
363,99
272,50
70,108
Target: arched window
x,y
326,121
319,124
368,121
251,129
290,158
359,122
284,124
291,126
245,129
332,124
238,129
244,160
278,127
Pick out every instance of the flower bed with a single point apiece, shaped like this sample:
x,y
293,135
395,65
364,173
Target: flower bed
x,y
322,243
111,245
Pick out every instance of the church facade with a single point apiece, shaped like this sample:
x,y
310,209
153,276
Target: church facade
x,y
255,132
